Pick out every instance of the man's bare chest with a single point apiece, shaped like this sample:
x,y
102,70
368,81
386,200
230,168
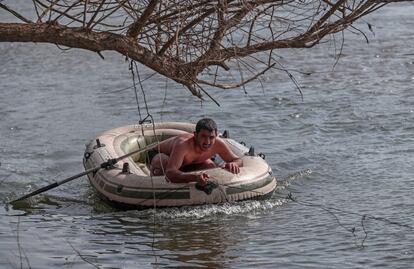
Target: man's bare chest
x,y
194,158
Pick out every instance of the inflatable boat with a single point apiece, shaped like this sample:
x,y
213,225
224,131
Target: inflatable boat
x,y
125,178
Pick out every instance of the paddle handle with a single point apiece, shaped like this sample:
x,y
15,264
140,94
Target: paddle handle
x,y
57,183
107,165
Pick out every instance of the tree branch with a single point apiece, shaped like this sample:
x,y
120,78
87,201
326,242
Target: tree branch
x,y
97,42
15,13
181,39
183,30
242,83
135,28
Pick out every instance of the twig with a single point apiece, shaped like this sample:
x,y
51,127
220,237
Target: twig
x,y
15,13
352,230
21,250
233,86
81,256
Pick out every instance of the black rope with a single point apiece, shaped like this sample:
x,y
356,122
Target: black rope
x,y
148,118
83,257
165,98
352,230
22,253
4,178
363,228
292,78
142,88
330,210
131,68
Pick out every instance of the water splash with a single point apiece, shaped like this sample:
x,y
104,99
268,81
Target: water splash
x,y
287,180
199,212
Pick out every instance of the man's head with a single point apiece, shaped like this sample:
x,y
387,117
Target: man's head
x,y
207,124
205,134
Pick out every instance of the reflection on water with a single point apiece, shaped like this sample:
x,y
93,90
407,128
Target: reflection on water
x,y
189,236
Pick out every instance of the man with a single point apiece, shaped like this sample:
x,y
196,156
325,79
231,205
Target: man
x,y
189,152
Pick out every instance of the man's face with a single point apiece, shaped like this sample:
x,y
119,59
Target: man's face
x,y
205,139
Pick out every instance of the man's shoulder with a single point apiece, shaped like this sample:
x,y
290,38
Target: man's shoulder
x,y
221,145
183,140
220,142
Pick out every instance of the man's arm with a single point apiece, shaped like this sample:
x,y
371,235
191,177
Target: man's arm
x,y
175,162
232,161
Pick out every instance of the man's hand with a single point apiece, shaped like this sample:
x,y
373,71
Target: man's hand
x,y
202,179
232,167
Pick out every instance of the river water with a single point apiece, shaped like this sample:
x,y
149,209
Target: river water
x,y
344,153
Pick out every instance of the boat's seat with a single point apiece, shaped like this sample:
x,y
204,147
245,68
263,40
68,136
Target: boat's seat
x,y
134,142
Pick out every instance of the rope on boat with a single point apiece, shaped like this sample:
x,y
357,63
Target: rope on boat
x,y
147,119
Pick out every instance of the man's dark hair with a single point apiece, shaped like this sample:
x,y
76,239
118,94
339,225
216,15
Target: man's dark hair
x,y
207,124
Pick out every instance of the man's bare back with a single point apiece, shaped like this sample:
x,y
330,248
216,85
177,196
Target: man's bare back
x,y
189,152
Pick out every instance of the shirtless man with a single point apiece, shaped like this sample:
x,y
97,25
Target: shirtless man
x,y
188,152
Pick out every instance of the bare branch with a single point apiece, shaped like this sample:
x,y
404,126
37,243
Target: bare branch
x,y
233,86
184,39
136,27
183,30
95,14
15,13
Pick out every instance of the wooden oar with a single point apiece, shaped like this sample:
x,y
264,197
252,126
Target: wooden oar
x,y
106,164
